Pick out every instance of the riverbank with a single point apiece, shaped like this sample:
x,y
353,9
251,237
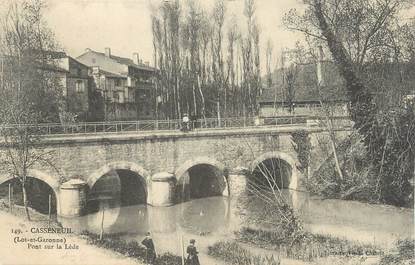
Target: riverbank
x,y
307,247
75,250
316,249
249,254
130,248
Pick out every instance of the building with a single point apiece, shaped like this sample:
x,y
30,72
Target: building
x,y
63,72
312,85
75,80
125,84
318,83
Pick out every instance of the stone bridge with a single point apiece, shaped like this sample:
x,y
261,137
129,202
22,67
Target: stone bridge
x,y
159,167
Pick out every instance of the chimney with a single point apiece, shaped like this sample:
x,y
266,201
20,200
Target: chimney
x,y
108,52
87,50
136,58
320,79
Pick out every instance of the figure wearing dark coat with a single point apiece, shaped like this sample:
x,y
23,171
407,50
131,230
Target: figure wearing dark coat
x,y
192,258
151,251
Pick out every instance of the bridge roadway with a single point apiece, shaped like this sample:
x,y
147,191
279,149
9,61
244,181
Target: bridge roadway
x,y
171,134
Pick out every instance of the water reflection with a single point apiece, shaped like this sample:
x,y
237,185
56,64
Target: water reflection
x,y
369,223
211,219
206,220
199,216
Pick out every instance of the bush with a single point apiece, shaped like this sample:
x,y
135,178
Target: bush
x,y
302,145
168,259
406,248
359,178
376,166
404,256
279,216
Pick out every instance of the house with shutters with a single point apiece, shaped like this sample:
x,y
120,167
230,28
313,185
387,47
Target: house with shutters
x,y
125,84
75,80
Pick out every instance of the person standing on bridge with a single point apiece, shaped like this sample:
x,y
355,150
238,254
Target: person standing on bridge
x,y
192,258
185,122
150,249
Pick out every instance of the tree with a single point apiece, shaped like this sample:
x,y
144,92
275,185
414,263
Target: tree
x,y
30,89
250,59
356,33
363,39
233,36
269,51
218,14
290,76
196,70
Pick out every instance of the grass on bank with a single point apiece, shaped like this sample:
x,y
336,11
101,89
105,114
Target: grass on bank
x,y
306,247
35,216
232,253
131,249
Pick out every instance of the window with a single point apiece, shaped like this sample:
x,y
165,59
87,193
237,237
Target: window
x,y
115,96
117,82
80,86
93,60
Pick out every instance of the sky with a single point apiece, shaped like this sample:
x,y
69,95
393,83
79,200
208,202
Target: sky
x,y
125,25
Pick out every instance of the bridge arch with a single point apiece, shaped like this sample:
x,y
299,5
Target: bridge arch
x,y
285,158
198,172
117,165
51,180
197,161
125,183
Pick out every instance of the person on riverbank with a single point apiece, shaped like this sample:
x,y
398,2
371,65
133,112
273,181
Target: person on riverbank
x,y
192,258
150,249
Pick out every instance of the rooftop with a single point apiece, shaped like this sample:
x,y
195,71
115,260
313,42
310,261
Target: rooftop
x,y
110,74
123,60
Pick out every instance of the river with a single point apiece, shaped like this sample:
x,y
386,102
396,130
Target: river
x,y
209,220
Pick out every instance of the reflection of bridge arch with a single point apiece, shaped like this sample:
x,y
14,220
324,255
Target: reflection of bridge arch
x,y
126,183
204,215
205,172
285,158
51,180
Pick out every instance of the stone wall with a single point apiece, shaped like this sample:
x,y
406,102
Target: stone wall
x,y
82,158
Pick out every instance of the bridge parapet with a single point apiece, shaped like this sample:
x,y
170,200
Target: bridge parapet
x,y
175,124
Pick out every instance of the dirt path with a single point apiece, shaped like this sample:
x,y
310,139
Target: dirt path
x,y
19,253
